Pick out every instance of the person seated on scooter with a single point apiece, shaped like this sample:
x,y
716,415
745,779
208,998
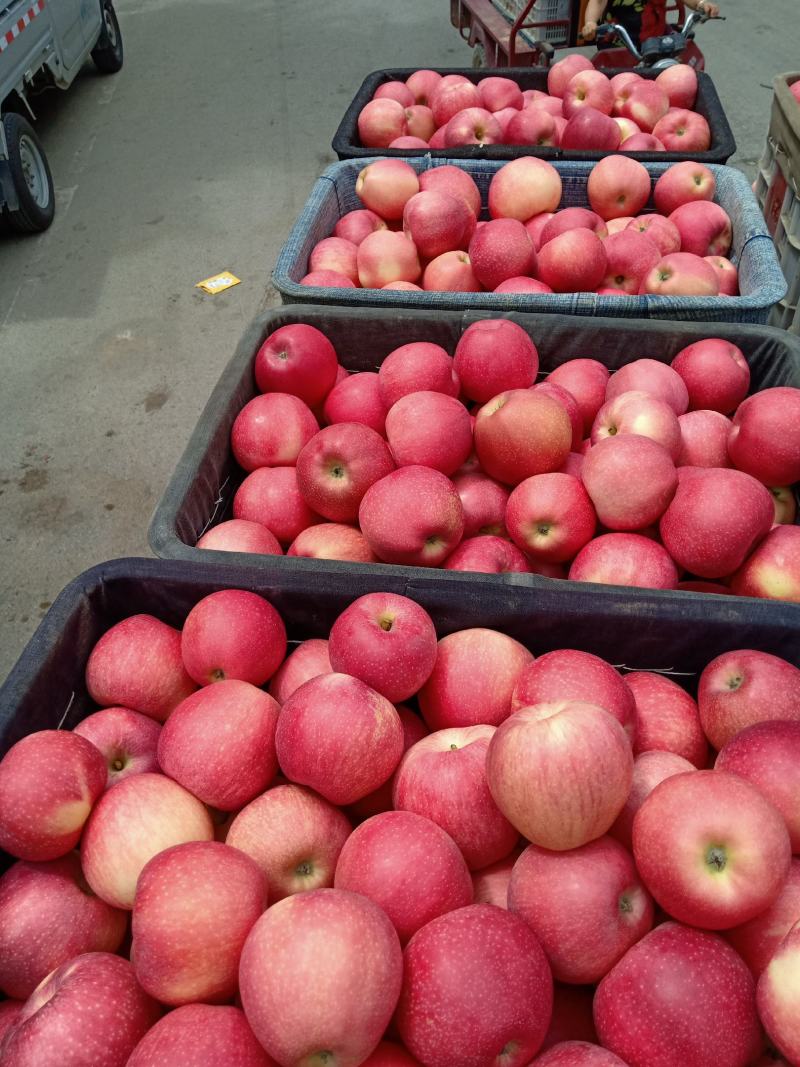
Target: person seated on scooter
x,y
641,18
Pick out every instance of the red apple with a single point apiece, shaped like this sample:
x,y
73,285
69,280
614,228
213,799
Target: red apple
x,y
484,502
337,254
239,535
332,540
625,500
705,228
270,496
550,516
778,996
137,664
618,186
521,433
380,800
448,98
297,359
499,250
674,996
682,274
338,465
667,719
559,75
494,355
587,89
642,142
220,744
328,279
408,866
757,940
416,367
49,782
148,813
679,82
646,103
488,555
195,905
199,1035
438,222
704,439
653,377
233,634
711,849
300,1010
472,126
738,689
386,256
683,131
386,640
577,1054
649,769
560,772
683,183
270,430
533,126
497,93
640,414
412,516
570,403
394,90
90,1010
339,737
498,1008
663,233
294,836
630,256
573,262
431,430
535,226
443,777
385,186
568,674
591,129
766,754
472,679
490,885
587,906
571,218
48,916
422,83
773,570
357,398
380,122
453,180
355,225
451,272
126,739
727,275
307,661
716,518
765,440
523,188
625,559
587,380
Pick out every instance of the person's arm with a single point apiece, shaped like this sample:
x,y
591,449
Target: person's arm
x,y
705,7
595,10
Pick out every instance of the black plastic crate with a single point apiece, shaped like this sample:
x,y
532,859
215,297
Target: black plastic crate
x,y
46,688
201,491
347,145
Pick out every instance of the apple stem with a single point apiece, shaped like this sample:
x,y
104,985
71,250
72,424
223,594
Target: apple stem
x,y
304,869
734,683
716,858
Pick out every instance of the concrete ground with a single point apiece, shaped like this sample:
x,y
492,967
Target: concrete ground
x,y
194,159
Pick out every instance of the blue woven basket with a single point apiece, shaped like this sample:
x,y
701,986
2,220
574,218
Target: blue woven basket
x,y
760,279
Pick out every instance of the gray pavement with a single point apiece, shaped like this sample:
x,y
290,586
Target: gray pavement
x,y
194,159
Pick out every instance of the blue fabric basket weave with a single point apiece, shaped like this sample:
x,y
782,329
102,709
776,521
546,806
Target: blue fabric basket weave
x,y
760,279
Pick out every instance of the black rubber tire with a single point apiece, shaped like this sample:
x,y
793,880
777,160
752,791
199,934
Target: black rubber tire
x,y
108,52
29,217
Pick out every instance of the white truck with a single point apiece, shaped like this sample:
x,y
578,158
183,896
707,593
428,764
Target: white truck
x,y
43,44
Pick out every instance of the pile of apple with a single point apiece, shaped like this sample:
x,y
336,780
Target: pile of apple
x,y
582,109
422,231
636,478
320,874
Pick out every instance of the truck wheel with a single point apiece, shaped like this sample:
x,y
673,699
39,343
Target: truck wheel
x,y
31,176
107,53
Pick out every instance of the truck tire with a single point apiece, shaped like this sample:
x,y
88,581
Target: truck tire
x,y
107,53
30,173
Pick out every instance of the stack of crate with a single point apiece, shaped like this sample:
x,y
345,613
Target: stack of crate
x,y
778,191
